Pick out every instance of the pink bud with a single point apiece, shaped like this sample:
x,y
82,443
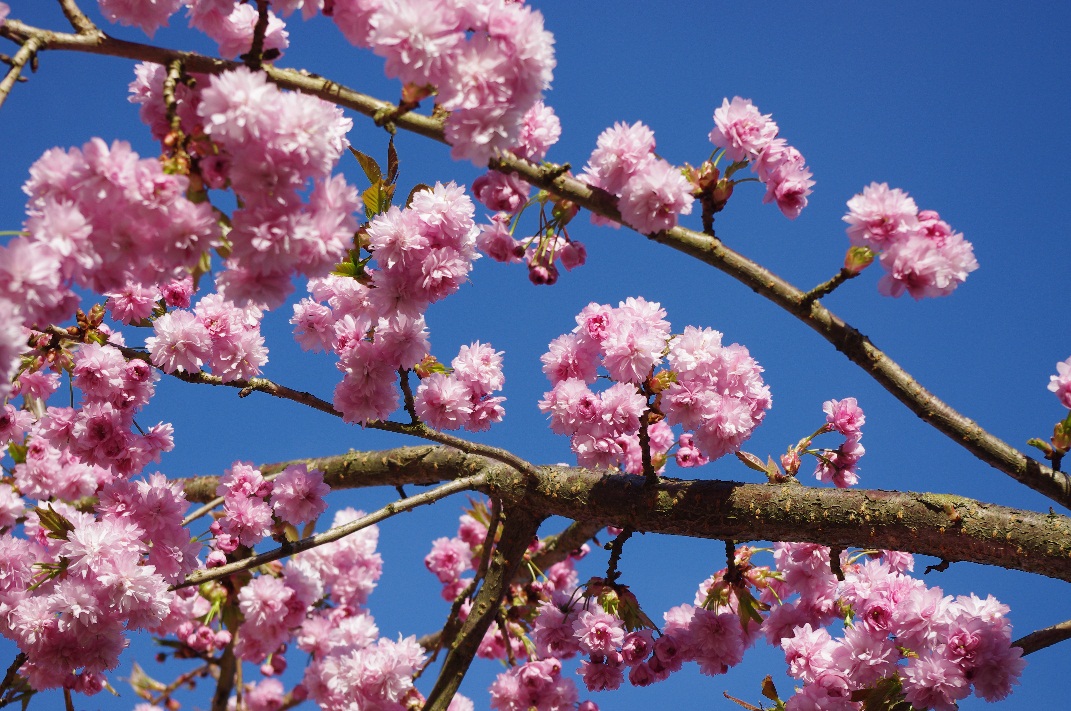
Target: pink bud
x,y
573,255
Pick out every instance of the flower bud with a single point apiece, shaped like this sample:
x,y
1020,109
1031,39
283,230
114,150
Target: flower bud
x,y
857,259
790,460
542,274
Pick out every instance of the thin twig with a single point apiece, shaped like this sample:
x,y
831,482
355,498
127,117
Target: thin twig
x,y
182,679
256,50
407,395
733,576
615,547
334,534
827,287
424,432
12,671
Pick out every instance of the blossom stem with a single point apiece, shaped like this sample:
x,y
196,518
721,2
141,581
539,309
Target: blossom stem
x,y
255,57
826,288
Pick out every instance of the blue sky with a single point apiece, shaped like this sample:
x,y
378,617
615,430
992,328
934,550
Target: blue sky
x,y
963,107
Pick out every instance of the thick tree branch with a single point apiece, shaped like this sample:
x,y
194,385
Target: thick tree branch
x,y
950,527
706,248
518,530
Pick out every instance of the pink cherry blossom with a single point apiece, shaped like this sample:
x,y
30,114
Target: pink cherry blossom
x,y
654,196
741,130
880,215
298,494
845,416
1061,382
149,16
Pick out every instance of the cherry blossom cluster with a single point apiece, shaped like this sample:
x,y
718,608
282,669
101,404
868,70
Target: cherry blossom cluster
x,y
896,627
839,465
651,192
253,505
463,397
899,636
507,195
100,217
536,685
488,62
269,146
714,392
919,251
72,452
374,321
746,135
502,192
137,303
1061,383
711,632
215,333
78,582
541,252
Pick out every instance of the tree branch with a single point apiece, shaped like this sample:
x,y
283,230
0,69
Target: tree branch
x,y
1044,638
25,54
944,526
518,530
706,248
334,534
78,19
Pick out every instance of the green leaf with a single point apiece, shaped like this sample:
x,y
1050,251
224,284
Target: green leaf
x,y
372,200
17,452
392,162
345,269
368,165
54,522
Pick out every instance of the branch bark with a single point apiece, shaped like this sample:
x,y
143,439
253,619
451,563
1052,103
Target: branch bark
x,y
953,528
518,530
1043,638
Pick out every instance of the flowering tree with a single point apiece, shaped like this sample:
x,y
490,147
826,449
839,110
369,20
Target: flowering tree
x,y
135,272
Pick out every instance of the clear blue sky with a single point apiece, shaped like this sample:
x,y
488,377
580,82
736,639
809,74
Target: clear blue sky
x,y
963,106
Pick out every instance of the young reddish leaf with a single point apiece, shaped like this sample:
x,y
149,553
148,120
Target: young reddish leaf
x,y
368,165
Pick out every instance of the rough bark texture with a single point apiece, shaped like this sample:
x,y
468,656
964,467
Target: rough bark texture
x,y
950,527
517,533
